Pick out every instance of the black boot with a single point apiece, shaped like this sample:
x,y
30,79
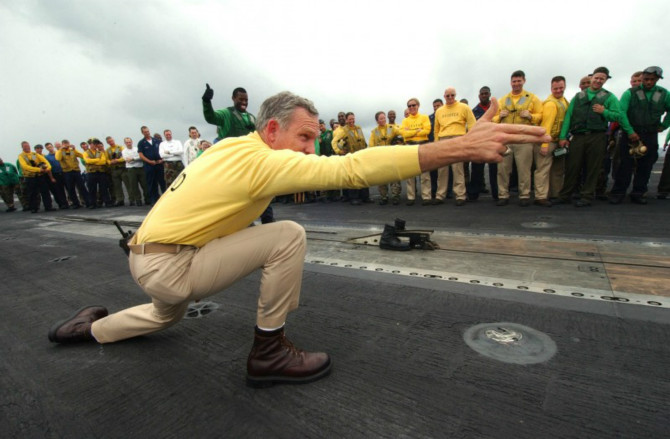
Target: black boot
x,y
274,359
390,240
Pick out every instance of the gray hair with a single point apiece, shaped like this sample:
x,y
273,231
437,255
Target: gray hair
x,y
280,107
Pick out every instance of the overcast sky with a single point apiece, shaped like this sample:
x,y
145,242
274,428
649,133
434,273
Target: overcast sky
x,y
76,69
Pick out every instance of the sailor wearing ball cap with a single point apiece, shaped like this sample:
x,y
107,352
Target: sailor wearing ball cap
x,y
587,120
642,109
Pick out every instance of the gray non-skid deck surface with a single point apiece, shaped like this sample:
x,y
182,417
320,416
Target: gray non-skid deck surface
x,y
401,368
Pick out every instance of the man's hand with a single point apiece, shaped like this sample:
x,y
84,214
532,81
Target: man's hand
x,y
504,113
633,137
563,143
209,94
544,150
598,108
526,114
485,142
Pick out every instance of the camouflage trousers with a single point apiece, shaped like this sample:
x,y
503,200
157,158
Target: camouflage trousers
x,y
172,170
7,193
396,189
22,192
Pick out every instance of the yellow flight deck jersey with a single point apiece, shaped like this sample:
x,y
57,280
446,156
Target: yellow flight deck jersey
x,y
232,183
411,123
453,120
517,103
27,160
95,161
354,137
114,152
383,135
553,115
68,159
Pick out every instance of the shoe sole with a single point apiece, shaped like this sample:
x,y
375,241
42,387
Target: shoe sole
x,y
268,381
390,247
57,326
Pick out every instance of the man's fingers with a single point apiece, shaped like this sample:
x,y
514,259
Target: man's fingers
x,y
528,130
207,86
491,112
524,134
526,138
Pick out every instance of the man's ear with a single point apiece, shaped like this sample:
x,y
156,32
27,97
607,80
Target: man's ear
x,y
271,131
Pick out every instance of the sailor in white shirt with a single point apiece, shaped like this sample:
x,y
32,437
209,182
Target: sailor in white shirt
x,y
171,151
136,176
191,146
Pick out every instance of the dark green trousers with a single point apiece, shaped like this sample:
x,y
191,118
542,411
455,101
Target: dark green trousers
x,y
585,153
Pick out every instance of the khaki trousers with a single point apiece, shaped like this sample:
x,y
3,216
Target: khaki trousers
x,y
543,170
522,155
173,280
424,187
458,171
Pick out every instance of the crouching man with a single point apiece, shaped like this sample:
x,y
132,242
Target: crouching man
x,y
196,242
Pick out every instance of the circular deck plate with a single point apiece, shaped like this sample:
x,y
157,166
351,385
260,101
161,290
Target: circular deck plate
x,y
200,309
510,343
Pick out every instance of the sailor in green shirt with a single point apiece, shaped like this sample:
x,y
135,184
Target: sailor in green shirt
x,y
642,108
9,181
587,121
664,183
232,121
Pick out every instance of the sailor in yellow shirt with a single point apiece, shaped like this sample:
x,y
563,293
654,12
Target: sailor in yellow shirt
x,y
196,241
97,179
348,139
451,120
117,171
415,128
550,170
35,168
517,107
385,134
67,156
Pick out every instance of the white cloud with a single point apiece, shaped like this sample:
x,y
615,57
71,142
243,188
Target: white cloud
x,y
80,68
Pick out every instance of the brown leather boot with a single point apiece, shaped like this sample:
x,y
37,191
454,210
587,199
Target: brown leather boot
x,y
273,359
77,328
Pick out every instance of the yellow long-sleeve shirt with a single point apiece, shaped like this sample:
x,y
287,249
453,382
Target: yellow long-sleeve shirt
x,y
515,104
31,163
410,124
233,182
95,161
115,153
453,120
380,136
68,159
553,116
